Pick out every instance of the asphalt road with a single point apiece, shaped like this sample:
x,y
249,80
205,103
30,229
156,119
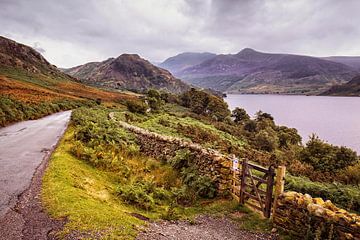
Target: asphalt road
x,y
23,146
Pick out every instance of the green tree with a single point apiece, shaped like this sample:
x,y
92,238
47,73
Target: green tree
x,y
326,157
240,115
206,104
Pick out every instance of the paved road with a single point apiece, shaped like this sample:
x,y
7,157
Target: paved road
x,y
23,146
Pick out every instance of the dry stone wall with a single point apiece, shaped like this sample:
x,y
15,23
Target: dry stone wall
x,y
208,162
313,218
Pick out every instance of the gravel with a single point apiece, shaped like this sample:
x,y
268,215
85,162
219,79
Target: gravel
x,y
204,227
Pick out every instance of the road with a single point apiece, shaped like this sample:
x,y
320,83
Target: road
x,y
23,146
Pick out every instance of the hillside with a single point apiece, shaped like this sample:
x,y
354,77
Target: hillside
x,y
184,60
30,87
128,71
351,61
351,88
250,71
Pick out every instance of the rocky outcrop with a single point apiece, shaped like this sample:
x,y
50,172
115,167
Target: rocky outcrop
x,y
313,218
128,71
207,161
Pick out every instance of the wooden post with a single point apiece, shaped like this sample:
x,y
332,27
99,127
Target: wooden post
x,y
279,184
269,190
243,180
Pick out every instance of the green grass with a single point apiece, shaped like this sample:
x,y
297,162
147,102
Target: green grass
x,y
345,196
155,123
83,194
25,76
86,197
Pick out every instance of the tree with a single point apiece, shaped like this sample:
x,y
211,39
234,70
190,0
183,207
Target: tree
x,y
326,157
288,136
154,100
136,106
260,116
240,115
206,104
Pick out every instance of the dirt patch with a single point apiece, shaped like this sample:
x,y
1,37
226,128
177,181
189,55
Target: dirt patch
x,y
203,227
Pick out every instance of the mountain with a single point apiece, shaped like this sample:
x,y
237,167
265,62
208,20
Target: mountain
x,y
351,88
184,60
128,71
31,87
353,62
16,55
250,71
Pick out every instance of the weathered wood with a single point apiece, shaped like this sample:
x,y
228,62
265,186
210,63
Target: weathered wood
x,y
243,181
255,206
257,167
252,191
279,184
269,191
256,189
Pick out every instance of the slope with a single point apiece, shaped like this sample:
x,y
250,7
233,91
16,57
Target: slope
x,y
250,71
351,88
30,87
128,71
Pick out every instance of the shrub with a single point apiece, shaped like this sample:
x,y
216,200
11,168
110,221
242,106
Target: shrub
x,y
138,194
203,186
203,103
266,140
144,194
181,159
326,157
240,115
351,174
345,196
136,106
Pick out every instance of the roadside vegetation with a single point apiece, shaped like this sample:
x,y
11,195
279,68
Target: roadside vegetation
x,y
117,189
98,179
26,96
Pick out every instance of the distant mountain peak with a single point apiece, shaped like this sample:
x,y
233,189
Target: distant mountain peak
x,y
127,71
247,50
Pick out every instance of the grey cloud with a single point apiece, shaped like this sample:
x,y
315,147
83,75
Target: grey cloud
x,y
87,30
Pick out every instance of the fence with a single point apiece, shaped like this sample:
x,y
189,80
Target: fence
x,y
254,185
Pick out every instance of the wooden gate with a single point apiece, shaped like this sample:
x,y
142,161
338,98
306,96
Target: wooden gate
x,y
253,185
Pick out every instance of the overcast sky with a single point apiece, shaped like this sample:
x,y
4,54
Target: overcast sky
x,y
72,32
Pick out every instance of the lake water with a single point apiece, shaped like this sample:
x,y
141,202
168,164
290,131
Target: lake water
x,y
334,119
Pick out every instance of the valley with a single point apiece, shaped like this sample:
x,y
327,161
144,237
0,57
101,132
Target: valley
x,y
145,154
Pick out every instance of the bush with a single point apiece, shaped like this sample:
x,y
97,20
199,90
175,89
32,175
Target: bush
x,y
326,157
136,106
144,194
351,174
240,115
203,186
206,104
345,196
138,194
12,110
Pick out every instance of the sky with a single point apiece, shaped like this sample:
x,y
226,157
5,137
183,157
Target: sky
x,y
73,32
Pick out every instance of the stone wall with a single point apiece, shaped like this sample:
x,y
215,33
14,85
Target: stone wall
x,y
312,218
207,161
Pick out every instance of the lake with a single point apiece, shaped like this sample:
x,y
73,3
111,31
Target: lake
x,y
334,119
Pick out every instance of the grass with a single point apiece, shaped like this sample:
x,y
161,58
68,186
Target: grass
x,y
345,196
84,195
168,124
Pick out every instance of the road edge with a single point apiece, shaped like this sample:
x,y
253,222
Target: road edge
x,y
28,219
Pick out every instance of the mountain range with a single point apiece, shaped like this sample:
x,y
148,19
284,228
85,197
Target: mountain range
x,y
251,71
351,88
128,71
